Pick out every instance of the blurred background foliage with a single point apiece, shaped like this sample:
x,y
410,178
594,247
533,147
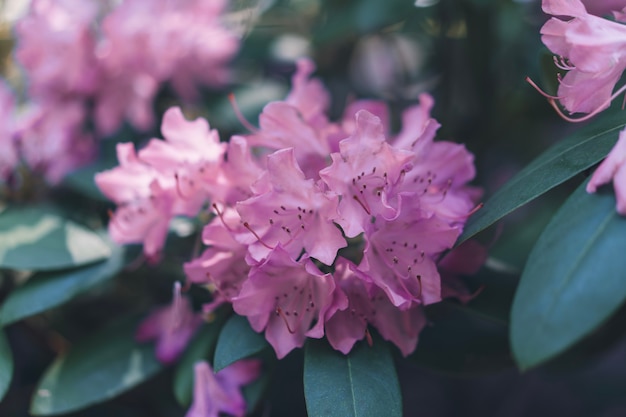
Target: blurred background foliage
x,y
473,56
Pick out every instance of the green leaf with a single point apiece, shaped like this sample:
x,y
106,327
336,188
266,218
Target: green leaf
x,y
36,238
237,341
94,370
558,164
360,384
45,290
6,365
462,342
200,348
573,280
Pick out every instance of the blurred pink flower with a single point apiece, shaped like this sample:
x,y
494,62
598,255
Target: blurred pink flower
x,y
591,49
172,327
9,158
217,393
55,44
51,140
613,168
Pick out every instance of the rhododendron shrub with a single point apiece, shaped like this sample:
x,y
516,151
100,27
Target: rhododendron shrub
x,y
402,199
213,208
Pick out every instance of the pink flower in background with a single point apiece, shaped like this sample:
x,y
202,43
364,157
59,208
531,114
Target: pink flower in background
x,y
55,45
217,393
613,168
148,43
9,158
51,140
591,49
172,327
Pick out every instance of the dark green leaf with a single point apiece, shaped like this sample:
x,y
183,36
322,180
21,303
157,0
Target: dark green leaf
x,y
33,238
94,370
362,383
461,342
237,341
6,365
49,289
573,280
201,348
558,164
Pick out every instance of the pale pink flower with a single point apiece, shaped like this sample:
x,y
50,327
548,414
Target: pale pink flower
x,y
55,44
9,158
148,43
613,168
172,327
593,51
191,154
217,393
51,141
287,299
145,200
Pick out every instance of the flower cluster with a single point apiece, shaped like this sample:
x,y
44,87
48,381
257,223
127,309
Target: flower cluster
x,y
592,50
104,61
319,228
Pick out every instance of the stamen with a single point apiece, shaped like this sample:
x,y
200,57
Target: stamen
x,y
247,226
279,311
239,114
543,93
367,210
178,189
221,216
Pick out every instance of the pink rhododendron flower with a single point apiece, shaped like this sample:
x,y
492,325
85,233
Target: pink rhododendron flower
x,y
294,213
167,178
604,7
287,299
56,47
613,168
217,393
51,141
592,50
9,158
145,200
365,173
171,326
148,43
282,215
367,304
